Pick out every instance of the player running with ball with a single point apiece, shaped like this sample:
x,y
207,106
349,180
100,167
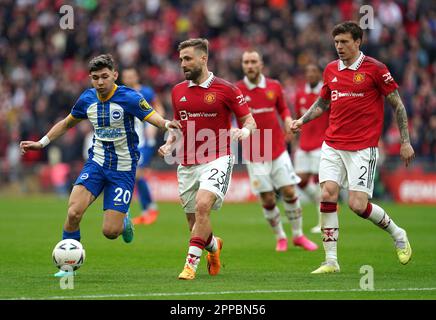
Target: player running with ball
x,y
113,156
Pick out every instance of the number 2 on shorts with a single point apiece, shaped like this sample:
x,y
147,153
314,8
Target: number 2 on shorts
x,y
365,170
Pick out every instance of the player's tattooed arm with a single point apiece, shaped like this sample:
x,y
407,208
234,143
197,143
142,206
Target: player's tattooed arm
x,y
400,114
317,108
407,153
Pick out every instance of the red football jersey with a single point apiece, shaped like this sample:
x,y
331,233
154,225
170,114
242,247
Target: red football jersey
x,y
205,114
312,133
356,109
265,101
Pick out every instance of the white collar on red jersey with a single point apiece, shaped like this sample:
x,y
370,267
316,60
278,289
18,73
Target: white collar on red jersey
x,y
316,90
251,86
206,84
354,66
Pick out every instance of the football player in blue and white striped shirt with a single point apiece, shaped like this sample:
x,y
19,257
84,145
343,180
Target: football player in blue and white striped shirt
x,y
114,154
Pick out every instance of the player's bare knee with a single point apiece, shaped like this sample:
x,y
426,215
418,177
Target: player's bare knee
x,y
111,233
357,205
201,208
289,193
74,215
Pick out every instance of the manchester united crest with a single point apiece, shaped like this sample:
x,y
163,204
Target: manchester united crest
x,y
270,94
358,77
210,97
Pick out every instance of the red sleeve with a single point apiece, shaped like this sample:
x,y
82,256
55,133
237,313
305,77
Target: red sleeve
x,y
385,82
281,106
236,102
325,90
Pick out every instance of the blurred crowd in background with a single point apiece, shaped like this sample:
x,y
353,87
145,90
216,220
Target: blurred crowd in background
x,y
43,69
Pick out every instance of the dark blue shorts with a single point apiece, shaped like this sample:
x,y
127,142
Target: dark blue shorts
x,y
117,185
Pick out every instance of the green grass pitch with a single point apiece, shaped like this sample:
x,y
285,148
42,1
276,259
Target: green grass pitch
x,y
148,267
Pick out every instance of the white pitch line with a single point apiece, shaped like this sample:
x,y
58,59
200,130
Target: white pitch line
x,y
179,294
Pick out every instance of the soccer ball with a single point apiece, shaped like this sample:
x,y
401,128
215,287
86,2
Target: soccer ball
x,y
68,253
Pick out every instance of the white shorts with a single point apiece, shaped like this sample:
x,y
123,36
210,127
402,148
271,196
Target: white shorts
x,y
354,170
272,175
307,161
214,176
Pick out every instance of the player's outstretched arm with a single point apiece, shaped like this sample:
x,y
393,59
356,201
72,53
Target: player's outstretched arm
x,y
316,110
157,120
55,132
407,153
248,125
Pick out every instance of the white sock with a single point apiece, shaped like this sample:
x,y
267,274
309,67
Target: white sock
x,y
193,257
213,245
330,231
275,221
380,218
294,213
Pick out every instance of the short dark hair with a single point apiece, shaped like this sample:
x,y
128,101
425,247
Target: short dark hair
x,y
100,62
348,27
198,43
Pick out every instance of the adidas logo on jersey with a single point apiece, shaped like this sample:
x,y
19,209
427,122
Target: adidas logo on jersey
x,y
361,183
183,99
335,79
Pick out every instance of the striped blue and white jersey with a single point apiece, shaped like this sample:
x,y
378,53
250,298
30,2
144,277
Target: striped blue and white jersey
x,y
115,142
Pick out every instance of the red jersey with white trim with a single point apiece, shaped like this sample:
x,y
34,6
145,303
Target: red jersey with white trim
x,y
205,114
265,101
356,94
312,133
